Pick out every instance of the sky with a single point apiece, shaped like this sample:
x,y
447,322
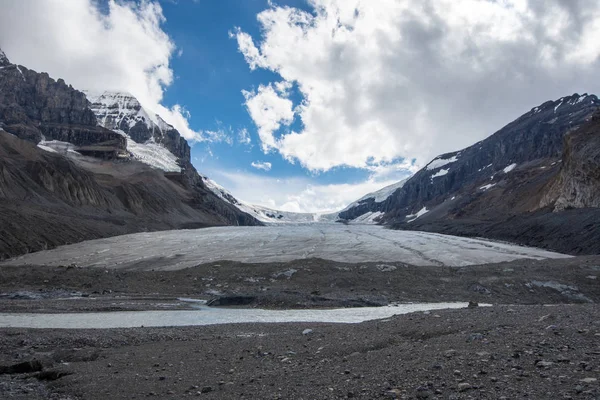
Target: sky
x,y
307,105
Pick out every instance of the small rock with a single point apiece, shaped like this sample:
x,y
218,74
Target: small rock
x,y
206,389
463,387
449,353
544,364
588,380
307,331
475,337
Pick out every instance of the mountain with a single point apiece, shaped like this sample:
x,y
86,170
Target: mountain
x,y
35,107
578,183
502,186
123,113
65,178
154,142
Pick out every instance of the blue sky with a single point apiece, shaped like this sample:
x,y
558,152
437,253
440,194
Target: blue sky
x,y
339,97
210,76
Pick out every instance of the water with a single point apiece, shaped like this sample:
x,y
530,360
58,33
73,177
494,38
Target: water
x,y
204,315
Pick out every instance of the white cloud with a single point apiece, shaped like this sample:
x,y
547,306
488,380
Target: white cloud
x,y
244,137
124,49
269,110
218,135
296,194
390,79
264,165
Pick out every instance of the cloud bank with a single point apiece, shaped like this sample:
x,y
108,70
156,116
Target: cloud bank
x,y
390,79
296,194
120,48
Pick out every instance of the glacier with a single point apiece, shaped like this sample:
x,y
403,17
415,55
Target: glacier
x,y
179,249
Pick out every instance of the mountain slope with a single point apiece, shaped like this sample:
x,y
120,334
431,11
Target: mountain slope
x,y
578,183
499,188
153,141
81,181
34,107
536,135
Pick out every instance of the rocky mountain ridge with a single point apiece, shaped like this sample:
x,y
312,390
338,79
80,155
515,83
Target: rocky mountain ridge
x,y
578,183
535,135
533,182
35,107
64,178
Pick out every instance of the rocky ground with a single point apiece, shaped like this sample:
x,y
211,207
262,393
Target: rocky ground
x,y
306,283
537,352
517,348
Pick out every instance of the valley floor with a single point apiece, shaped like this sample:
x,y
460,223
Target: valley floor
x,y
540,339
519,349
512,352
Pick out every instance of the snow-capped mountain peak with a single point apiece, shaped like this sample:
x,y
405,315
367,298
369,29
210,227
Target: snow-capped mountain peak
x,y
122,111
150,139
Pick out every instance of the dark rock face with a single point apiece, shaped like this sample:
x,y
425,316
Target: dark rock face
x,y
47,200
34,106
536,135
364,206
578,183
513,186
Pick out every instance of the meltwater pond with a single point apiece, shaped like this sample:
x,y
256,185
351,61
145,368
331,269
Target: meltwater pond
x,y
210,316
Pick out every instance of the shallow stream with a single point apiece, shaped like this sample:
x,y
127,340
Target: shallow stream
x,y
205,315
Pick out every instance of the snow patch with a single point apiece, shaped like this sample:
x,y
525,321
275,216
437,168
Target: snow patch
x,y
488,186
153,154
509,168
46,148
367,218
56,146
414,217
440,162
441,172
581,98
559,104
21,72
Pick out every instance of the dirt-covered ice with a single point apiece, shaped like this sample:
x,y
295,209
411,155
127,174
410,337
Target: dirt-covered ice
x,y
171,250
